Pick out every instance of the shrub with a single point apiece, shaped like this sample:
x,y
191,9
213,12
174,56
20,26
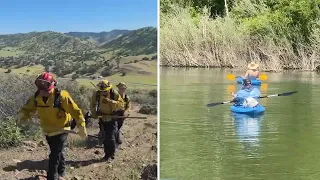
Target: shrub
x,y
148,109
10,135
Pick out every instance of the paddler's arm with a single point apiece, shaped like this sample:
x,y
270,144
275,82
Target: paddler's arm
x,y
246,75
27,111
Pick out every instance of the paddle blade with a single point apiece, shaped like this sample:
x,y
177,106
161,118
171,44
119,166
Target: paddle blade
x,y
287,93
231,77
263,77
218,103
214,104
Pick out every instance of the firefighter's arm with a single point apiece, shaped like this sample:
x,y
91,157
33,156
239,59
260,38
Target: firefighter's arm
x,y
27,111
119,102
72,108
128,103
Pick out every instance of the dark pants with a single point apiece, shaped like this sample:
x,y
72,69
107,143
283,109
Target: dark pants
x,y
57,163
109,137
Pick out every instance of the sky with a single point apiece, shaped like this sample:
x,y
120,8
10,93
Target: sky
x,y
20,16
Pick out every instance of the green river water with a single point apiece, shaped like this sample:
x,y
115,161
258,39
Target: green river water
x,y
202,143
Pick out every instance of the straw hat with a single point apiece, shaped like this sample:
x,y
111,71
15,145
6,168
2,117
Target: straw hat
x,y
253,66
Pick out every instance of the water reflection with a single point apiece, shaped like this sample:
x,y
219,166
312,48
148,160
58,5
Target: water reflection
x,y
247,128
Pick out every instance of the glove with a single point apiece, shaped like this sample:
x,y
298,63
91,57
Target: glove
x,y
82,132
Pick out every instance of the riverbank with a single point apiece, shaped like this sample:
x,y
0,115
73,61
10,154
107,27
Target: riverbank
x,y
197,40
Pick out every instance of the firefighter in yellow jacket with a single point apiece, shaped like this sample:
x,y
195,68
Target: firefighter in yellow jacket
x,y
105,102
55,110
123,111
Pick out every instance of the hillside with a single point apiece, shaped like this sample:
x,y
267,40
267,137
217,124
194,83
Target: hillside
x,y
101,37
140,41
45,42
78,54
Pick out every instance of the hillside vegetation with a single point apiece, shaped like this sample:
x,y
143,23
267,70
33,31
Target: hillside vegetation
x,y
78,54
145,38
279,34
101,37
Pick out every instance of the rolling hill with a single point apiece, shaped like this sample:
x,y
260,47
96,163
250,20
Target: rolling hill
x,y
45,42
136,42
101,37
85,54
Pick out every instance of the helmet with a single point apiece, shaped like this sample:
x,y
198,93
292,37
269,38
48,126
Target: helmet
x,y
246,82
104,85
45,81
122,85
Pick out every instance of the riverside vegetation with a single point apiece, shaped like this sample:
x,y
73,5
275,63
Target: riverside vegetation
x,y
279,34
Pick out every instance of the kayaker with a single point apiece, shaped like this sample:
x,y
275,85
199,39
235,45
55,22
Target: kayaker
x,y
252,72
123,111
105,102
55,110
247,95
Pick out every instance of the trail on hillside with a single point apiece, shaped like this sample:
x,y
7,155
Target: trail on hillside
x,y
135,159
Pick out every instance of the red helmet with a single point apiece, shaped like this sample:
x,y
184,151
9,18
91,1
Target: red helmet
x,y
45,81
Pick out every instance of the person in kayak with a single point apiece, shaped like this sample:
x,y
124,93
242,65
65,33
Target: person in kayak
x,y
247,96
252,72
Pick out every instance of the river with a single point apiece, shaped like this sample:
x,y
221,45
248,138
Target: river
x,y
200,143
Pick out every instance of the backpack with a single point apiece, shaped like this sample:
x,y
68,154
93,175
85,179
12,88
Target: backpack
x,y
112,96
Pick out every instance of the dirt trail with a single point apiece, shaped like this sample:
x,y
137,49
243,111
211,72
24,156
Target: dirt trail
x,y
137,153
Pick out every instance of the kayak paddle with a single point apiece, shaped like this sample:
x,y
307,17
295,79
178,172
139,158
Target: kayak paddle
x,y
281,94
268,96
233,77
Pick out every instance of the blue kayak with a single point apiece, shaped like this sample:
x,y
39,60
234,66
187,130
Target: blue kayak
x,y
255,82
259,109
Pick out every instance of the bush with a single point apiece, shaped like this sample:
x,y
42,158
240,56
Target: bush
x,y
75,76
142,97
10,135
146,98
145,59
135,61
148,109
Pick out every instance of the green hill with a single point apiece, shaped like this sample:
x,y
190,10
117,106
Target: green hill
x,y
136,42
101,37
79,53
45,42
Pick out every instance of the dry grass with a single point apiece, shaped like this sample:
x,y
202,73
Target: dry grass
x,y
203,42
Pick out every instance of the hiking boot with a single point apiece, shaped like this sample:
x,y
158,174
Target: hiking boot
x,y
118,137
119,141
108,158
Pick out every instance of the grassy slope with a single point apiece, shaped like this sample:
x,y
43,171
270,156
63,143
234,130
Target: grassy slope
x,y
132,77
138,149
